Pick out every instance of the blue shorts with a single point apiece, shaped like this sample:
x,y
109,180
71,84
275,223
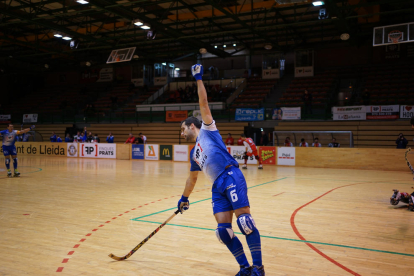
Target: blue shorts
x,y
9,150
229,191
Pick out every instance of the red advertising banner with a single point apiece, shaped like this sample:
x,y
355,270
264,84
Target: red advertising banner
x,y
176,116
268,155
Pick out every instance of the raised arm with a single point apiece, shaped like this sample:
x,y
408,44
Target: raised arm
x,y
25,130
197,71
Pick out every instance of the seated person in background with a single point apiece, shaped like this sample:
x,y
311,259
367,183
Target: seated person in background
x,y
58,139
81,137
143,138
68,139
96,138
401,142
288,143
334,144
110,138
303,143
53,137
26,137
229,140
90,137
130,140
316,143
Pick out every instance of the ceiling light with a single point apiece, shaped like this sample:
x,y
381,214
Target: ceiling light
x,y
138,22
224,46
268,47
83,2
318,3
47,66
177,69
215,46
164,63
56,34
146,27
88,63
203,50
234,44
66,38
135,57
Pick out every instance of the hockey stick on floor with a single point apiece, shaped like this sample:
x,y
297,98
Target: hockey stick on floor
x,y
408,162
144,241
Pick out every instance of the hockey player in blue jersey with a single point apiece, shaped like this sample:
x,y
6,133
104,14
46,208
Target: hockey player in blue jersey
x,y
9,149
229,190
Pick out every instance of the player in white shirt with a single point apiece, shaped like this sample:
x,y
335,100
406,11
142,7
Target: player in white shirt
x,y
229,190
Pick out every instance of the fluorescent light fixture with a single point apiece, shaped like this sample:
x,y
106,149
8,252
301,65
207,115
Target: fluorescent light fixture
x,y
215,46
234,44
224,46
146,27
57,35
83,2
67,38
318,3
164,63
177,69
138,22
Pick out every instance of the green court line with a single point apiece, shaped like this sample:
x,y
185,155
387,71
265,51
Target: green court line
x,y
135,219
287,239
38,169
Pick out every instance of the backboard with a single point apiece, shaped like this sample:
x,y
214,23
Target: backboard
x,y
121,55
393,34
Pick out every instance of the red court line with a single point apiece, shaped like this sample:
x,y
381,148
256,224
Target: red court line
x,y
279,194
292,223
82,240
65,260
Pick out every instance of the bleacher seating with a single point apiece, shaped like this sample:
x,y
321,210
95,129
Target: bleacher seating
x,y
254,94
319,86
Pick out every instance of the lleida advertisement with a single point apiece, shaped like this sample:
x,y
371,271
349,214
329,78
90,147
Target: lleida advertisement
x,y
90,150
406,111
166,152
268,155
286,156
181,153
238,152
39,148
151,152
138,151
72,150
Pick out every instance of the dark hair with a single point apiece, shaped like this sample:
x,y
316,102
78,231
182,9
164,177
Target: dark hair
x,y
96,134
140,133
288,137
412,121
302,140
242,135
316,138
192,120
333,138
229,133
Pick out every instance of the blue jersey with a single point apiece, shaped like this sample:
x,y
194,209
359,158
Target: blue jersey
x,y
210,154
9,137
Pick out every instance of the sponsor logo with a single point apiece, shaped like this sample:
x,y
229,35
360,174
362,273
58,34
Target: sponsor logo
x,y
151,151
266,154
166,152
72,151
230,186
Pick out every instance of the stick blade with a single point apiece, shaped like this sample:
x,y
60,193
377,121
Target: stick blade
x,y
116,258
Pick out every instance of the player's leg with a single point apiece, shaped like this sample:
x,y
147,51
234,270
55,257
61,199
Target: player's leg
x,y
245,157
6,152
223,212
237,194
16,172
259,160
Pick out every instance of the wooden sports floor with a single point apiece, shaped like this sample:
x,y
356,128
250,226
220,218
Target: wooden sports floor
x,y
64,216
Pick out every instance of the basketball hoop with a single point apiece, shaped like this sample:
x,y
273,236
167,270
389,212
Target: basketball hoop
x,y
394,36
